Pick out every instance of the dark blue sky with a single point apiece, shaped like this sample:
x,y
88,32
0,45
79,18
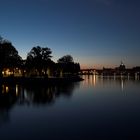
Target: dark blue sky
x,y
96,33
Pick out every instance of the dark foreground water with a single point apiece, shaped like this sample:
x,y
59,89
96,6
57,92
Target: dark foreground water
x,y
95,108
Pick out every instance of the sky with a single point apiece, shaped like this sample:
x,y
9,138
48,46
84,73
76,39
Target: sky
x,y
97,33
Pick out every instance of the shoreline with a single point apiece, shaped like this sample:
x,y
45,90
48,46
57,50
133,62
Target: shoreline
x,y
39,80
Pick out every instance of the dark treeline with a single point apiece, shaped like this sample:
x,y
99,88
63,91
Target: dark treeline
x,y
37,63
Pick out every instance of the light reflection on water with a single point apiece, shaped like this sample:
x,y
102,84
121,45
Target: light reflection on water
x,y
97,81
96,108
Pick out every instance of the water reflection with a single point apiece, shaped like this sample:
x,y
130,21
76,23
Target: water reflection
x,y
90,80
7,100
99,109
99,81
11,95
7,96
34,94
122,84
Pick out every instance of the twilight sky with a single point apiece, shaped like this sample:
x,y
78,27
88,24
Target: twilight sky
x,y
96,33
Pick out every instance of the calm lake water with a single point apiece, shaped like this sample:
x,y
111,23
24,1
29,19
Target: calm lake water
x,y
96,108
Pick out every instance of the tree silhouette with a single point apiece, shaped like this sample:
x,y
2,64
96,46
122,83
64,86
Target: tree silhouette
x,y
9,57
66,59
39,59
66,65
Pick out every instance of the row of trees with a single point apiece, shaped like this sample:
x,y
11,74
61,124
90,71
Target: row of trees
x,y
38,61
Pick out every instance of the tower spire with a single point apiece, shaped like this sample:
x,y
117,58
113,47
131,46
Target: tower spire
x,y
122,63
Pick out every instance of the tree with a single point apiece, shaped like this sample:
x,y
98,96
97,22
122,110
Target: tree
x,y
9,57
66,59
66,65
39,59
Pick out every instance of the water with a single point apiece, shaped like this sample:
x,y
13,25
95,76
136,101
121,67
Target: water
x,y
96,108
